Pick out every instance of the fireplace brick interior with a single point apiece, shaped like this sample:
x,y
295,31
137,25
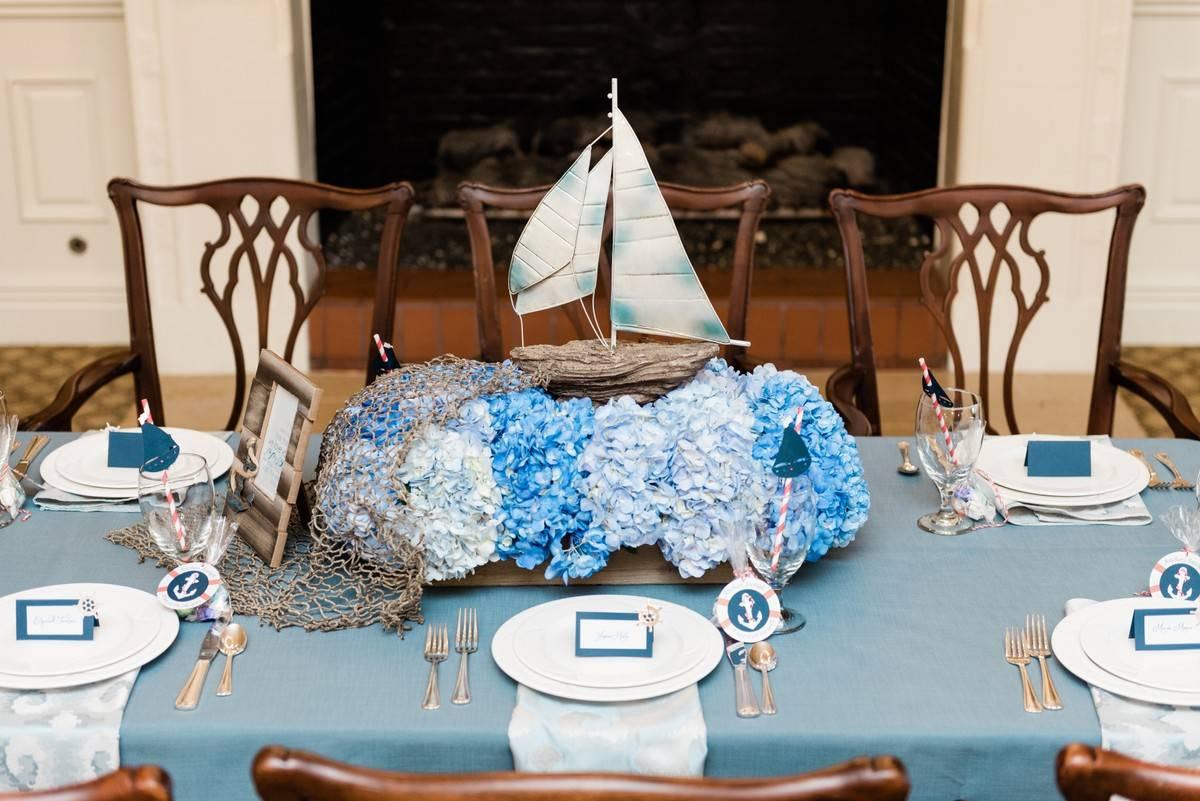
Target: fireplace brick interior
x,y
808,96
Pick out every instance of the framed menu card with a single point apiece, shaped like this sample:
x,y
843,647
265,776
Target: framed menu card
x,y
279,417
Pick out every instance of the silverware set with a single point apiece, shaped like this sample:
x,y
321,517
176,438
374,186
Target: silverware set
x,y
1157,482
760,656
437,650
231,641
1021,646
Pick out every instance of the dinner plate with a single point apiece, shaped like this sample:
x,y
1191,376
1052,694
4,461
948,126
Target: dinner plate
x,y
1106,641
166,631
1065,641
1003,459
85,460
508,650
1077,501
51,476
548,647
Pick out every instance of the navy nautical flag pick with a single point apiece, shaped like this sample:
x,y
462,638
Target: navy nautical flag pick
x,y
383,357
793,457
931,387
159,450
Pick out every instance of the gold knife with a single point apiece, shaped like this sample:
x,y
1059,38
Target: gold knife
x,y
31,451
189,696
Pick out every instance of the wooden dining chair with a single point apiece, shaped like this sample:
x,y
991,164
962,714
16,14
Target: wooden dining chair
x,y
238,230
743,202
1086,773
853,388
143,783
283,775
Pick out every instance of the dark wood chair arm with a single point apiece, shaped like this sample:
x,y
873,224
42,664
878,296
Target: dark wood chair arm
x,y
79,387
1160,393
1086,773
840,390
138,783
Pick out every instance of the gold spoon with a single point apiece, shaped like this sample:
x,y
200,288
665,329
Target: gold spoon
x,y
233,642
763,659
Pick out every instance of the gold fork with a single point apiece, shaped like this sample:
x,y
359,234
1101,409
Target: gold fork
x,y
437,649
1014,654
1180,482
466,642
1155,481
1037,644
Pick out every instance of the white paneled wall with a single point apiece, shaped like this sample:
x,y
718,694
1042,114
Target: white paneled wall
x,y
1042,90
1161,149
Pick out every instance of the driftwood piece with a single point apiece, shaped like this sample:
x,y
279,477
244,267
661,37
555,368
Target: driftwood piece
x,y
642,370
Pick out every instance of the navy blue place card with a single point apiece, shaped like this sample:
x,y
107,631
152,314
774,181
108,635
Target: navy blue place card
x,y
1046,458
612,634
125,449
53,619
1165,629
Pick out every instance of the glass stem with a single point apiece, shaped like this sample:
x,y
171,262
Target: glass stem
x,y
947,508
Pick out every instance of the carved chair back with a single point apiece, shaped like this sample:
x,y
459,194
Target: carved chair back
x,y
143,783
1086,773
249,210
743,202
282,775
985,231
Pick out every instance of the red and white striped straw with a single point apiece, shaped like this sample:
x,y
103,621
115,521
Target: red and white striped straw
x,y
777,547
176,520
379,343
937,409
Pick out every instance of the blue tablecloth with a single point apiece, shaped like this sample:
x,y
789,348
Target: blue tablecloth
x,y
902,655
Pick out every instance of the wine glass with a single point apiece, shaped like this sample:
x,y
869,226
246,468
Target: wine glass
x,y
948,445
777,571
188,492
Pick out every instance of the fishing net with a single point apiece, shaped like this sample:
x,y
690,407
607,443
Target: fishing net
x,y
333,576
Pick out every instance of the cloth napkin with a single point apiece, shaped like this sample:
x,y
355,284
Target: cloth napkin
x,y
49,738
663,736
1129,512
1169,735
56,500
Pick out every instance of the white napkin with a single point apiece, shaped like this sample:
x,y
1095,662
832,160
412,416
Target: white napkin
x,y
663,736
56,500
1169,735
49,738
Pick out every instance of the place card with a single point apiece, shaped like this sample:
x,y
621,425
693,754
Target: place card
x,y
612,634
53,619
1046,458
1165,629
125,449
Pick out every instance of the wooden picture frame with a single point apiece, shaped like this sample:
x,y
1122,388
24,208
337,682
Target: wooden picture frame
x,y
275,455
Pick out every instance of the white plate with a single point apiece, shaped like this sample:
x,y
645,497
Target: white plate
x,y
1077,501
52,476
129,621
1003,458
705,637
85,460
1105,639
548,647
168,629
1065,641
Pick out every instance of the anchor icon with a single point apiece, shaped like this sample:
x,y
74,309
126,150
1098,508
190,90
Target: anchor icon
x,y
1181,579
750,619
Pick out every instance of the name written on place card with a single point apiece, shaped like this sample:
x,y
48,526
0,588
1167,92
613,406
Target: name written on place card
x,y
52,619
1166,629
612,634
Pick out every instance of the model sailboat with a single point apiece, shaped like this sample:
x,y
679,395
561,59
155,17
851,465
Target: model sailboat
x,y
654,286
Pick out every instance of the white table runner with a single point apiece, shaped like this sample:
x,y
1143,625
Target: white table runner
x,y
49,738
663,736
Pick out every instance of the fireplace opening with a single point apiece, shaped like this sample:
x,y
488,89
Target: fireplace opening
x,y
809,97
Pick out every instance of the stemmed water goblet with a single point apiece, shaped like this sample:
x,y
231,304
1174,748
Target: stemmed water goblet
x,y
793,549
948,445
187,492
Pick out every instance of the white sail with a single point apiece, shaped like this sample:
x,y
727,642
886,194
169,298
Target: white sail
x,y
654,286
578,279
547,244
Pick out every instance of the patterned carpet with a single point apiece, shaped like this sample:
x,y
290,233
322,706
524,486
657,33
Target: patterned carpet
x,y
31,376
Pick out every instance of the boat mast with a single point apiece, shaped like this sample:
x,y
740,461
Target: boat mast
x,y
611,288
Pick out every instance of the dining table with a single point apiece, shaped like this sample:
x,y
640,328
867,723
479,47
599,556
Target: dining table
x,y
902,654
